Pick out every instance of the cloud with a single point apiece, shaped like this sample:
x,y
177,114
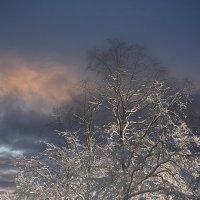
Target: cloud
x,y
7,174
28,93
39,85
8,152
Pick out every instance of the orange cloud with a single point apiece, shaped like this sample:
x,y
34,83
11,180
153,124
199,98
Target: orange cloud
x,y
43,84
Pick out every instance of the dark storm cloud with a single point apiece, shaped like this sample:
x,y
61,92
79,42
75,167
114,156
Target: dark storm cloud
x,y
21,133
20,129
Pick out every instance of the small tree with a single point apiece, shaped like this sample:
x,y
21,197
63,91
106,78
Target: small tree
x,y
141,151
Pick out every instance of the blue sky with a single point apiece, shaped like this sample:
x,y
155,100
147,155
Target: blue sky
x,y
65,30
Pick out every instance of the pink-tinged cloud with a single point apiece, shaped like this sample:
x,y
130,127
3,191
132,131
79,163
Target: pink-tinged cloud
x,y
40,85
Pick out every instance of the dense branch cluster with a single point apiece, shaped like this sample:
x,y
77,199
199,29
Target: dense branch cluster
x,y
139,147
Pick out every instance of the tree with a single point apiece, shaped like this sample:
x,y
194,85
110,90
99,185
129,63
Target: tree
x,y
142,149
9,195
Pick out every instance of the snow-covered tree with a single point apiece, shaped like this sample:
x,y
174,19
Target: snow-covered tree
x,y
9,195
141,149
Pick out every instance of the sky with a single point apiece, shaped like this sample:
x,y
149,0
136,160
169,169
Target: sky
x,y
43,51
